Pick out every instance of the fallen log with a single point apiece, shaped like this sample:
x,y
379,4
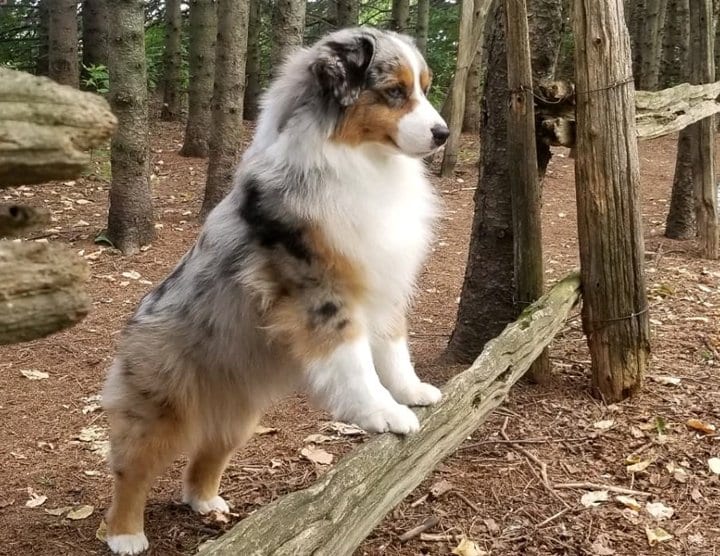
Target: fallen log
x,y
45,128
41,290
333,516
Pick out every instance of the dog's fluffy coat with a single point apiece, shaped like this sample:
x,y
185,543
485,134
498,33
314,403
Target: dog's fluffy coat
x,y
300,278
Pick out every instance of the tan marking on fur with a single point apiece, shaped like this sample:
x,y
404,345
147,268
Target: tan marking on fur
x,y
371,118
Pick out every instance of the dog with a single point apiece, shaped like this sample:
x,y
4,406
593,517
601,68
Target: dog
x,y
299,279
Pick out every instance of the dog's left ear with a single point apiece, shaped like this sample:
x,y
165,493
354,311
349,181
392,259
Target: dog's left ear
x,y
341,67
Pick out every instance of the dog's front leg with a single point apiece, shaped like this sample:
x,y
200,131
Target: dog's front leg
x,y
345,383
395,369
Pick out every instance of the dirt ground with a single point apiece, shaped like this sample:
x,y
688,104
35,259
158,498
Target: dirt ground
x,y
52,434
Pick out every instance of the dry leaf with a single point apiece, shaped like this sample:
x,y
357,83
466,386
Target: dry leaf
x,y
701,426
35,499
594,498
59,511
468,548
638,467
34,375
491,525
695,495
600,547
132,275
657,535
714,465
604,425
91,473
440,488
81,512
101,533
631,515
667,380
317,439
629,502
696,539
344,429
260,430
218,517
91,408
317,455
659,511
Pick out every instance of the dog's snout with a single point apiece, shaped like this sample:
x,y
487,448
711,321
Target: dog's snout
x,y
440,134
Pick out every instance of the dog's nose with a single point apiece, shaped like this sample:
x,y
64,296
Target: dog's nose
x,y
440,134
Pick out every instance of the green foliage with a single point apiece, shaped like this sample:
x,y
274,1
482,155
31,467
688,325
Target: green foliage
x,y
19,34
96,79
154,48
442,47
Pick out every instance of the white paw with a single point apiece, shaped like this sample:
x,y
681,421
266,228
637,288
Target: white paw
x,y
214,504
395,418
420,393
128,544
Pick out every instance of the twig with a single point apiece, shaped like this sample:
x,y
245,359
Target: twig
x,y
609,488
552,518
437,537
526,441
429,523
465,499
419,501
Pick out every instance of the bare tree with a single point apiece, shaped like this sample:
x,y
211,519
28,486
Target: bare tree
x,y
43,58
172,79
203,27
400,15
634,18
251,104
288,30
130,218
94,33
422,25
676,43
227,101
344,13
63,42
653,24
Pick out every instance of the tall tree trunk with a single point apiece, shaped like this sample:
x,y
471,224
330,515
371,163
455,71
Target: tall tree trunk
x,y
653,25
172,80
607,170
486,302
203,28
94,33
702,70
676,43
473,94
130,218
43,59
634,17
288,30
345,12
63,42
251,104
680,222
400,15
422,25
227,101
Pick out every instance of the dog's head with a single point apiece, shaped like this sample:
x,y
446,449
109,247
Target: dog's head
x,y
379,81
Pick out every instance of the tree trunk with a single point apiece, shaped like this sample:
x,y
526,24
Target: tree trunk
x,y
676,43
634,17
251,103
172,79
227,101
473,86
422,25
63,42
486,301
653,24
400,15
94,33
130,218
680,222
346,12
607,169
334,515
702,70
288,30
203,28
43,60
524,181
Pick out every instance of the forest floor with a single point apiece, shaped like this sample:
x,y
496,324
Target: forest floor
x,y
52,432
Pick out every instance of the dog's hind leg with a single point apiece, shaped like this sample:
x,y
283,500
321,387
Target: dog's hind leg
x,y
140,448
206,466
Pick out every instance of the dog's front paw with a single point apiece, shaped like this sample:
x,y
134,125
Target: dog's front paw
x,y
395,418
214,504
127,545
419,393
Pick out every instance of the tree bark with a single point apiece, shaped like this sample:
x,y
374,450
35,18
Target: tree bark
x,y
653,24
63,42
473,84
41,290
288,30
227,100
203,28
524,181
130,218
47,128
172,79
346,12
702,70
251,103
615,307
680,222
333,516
94,33
400,15
634,17
676,43
42,65
422,25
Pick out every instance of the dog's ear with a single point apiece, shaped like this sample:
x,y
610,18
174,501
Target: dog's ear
x,y
341,67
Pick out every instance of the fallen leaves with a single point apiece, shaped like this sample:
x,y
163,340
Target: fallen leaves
x,y
638,466
81,512
95,439
604,425
657,535
629,502
317,455
32,374
260,430
714,465
344,429
467,547
659,511
701,426
666,380
594,498
35,499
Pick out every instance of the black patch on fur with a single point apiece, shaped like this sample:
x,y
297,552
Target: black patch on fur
x,y
157,294
268,230
327,310
342,324
341,68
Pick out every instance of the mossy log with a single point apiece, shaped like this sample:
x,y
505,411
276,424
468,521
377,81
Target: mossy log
x,y
41,290
333,516
45,128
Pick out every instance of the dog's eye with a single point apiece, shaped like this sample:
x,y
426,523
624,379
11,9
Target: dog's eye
x,y
396,93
